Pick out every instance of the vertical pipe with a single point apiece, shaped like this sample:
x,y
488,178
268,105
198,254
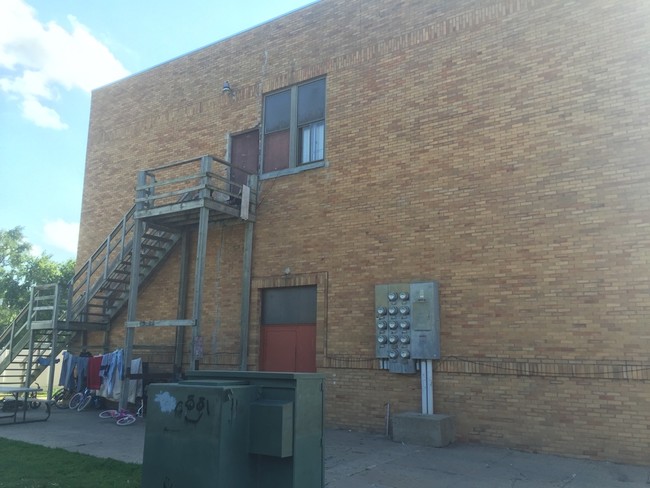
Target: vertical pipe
x,y
429,363
426,381
424,386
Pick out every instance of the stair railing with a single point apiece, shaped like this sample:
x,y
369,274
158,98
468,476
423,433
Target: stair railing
x,y
93,273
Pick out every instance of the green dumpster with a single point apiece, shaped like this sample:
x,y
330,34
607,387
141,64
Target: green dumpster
x,y
226,429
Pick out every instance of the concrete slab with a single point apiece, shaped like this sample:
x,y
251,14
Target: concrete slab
x,y
436,430
359,460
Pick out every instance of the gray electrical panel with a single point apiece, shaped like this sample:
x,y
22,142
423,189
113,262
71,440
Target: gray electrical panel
x,y
407,324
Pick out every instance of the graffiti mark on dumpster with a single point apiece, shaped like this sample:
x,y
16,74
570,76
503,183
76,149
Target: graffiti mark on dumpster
x,y
192,409
166,401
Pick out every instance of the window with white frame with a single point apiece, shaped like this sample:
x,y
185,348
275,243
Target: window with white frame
x,y
294,126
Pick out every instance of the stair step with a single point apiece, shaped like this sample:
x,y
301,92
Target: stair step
x,y
146,245
38,309
115,280
159,238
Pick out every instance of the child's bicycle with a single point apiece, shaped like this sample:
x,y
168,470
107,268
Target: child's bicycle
x,y
81,400
62,397
121,417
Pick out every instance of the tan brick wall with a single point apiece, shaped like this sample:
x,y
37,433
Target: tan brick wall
x,y
499,147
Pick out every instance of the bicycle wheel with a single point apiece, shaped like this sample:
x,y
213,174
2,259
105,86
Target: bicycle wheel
x,y
85,401
108,414
59,397
75,400
126,420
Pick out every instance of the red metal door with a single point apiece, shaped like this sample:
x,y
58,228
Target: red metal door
x,y
288,332
288,348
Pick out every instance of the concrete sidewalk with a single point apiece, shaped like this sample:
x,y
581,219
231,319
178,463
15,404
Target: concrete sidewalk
x,y
357,460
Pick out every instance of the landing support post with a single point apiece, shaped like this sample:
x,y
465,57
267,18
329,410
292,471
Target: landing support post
x,y
182,303
201,248
55,341
246,294
138,232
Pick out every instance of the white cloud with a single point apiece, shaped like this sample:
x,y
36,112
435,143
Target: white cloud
x,y
39,60
41,115
36,250
62,235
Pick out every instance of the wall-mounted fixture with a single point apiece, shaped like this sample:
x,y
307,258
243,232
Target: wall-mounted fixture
x,y
227,89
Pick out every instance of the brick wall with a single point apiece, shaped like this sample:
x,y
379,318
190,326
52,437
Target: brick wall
x,y
499,147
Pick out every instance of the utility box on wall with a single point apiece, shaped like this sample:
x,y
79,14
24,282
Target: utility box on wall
x,y
407,324
231,428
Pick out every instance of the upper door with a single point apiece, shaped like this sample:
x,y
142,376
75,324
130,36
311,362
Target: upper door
x,y
245,154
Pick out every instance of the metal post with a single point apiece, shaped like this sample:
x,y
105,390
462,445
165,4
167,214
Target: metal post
x,y
68,311
138,232
246,294
201,247
87,294
55,341
123,237
182,302
108,255
28,373
426,381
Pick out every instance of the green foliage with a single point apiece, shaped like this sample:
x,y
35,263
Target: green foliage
x,y
19,270
25,465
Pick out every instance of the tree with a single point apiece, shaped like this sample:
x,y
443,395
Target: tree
x,y
19,270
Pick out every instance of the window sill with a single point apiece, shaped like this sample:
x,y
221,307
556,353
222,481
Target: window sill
x,y
293,171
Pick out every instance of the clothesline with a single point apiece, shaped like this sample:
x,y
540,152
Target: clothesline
x,y
101,373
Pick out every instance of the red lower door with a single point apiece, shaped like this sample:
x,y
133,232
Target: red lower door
x,y
288,348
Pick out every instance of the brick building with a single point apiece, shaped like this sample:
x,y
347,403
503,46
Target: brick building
x,y
498,147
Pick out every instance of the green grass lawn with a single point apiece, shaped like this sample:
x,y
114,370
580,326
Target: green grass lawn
x,y
25,465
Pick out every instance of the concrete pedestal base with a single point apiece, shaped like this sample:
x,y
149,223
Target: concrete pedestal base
x,y
435,430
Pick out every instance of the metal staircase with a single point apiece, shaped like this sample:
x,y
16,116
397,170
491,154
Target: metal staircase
x,y
96,293
170,199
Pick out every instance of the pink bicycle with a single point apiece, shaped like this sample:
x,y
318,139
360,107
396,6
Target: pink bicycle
x,y
121,417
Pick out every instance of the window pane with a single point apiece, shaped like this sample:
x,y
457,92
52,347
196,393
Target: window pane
x,y
312,142
277,111
276,151
290,305
311,102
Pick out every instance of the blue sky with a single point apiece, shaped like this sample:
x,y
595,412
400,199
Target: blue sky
x,y
52,54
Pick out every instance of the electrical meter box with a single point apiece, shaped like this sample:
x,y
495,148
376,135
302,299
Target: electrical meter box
x,y
229,428
407,324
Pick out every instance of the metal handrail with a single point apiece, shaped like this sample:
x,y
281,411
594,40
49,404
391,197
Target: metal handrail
x,y
204,177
